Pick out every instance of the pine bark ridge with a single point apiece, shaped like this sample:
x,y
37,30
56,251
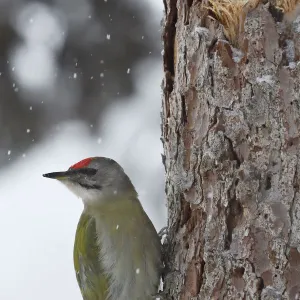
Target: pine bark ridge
x,y
230,128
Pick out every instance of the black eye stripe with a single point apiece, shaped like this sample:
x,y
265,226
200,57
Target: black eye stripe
x,y
88,171
90,186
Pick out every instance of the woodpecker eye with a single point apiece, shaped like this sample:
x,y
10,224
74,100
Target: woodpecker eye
x,y
87,171
83,178
83,171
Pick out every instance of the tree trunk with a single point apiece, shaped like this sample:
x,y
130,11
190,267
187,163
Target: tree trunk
x,y
230,126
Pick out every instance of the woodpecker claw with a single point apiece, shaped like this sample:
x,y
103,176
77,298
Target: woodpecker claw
x,y
162,232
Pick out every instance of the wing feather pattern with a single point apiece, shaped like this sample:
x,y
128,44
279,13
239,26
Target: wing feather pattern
x,y
89,273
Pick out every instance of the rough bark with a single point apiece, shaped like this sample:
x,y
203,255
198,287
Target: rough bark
x,y
230,128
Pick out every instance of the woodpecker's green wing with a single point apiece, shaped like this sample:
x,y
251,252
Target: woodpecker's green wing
x,y
91,279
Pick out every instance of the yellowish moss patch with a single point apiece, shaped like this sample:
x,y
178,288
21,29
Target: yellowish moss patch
x,y
231,14
287,6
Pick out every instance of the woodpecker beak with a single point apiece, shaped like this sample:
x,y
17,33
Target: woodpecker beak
x,y
57,175
71,173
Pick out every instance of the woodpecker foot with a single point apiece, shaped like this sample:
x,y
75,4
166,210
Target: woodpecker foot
x,y
163,232
164,238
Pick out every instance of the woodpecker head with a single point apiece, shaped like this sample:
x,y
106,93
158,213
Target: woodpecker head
x,y
94,179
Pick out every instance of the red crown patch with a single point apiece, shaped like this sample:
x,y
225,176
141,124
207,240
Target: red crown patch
x,y
83,163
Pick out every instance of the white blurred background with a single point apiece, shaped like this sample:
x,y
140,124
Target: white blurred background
x,y
39,216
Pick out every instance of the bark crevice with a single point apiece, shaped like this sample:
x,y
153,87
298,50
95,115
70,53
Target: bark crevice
x,y
231,139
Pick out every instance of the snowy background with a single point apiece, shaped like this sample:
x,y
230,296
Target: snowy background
x,y
39,216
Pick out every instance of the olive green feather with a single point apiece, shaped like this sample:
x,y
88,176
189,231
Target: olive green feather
x,y
90,276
